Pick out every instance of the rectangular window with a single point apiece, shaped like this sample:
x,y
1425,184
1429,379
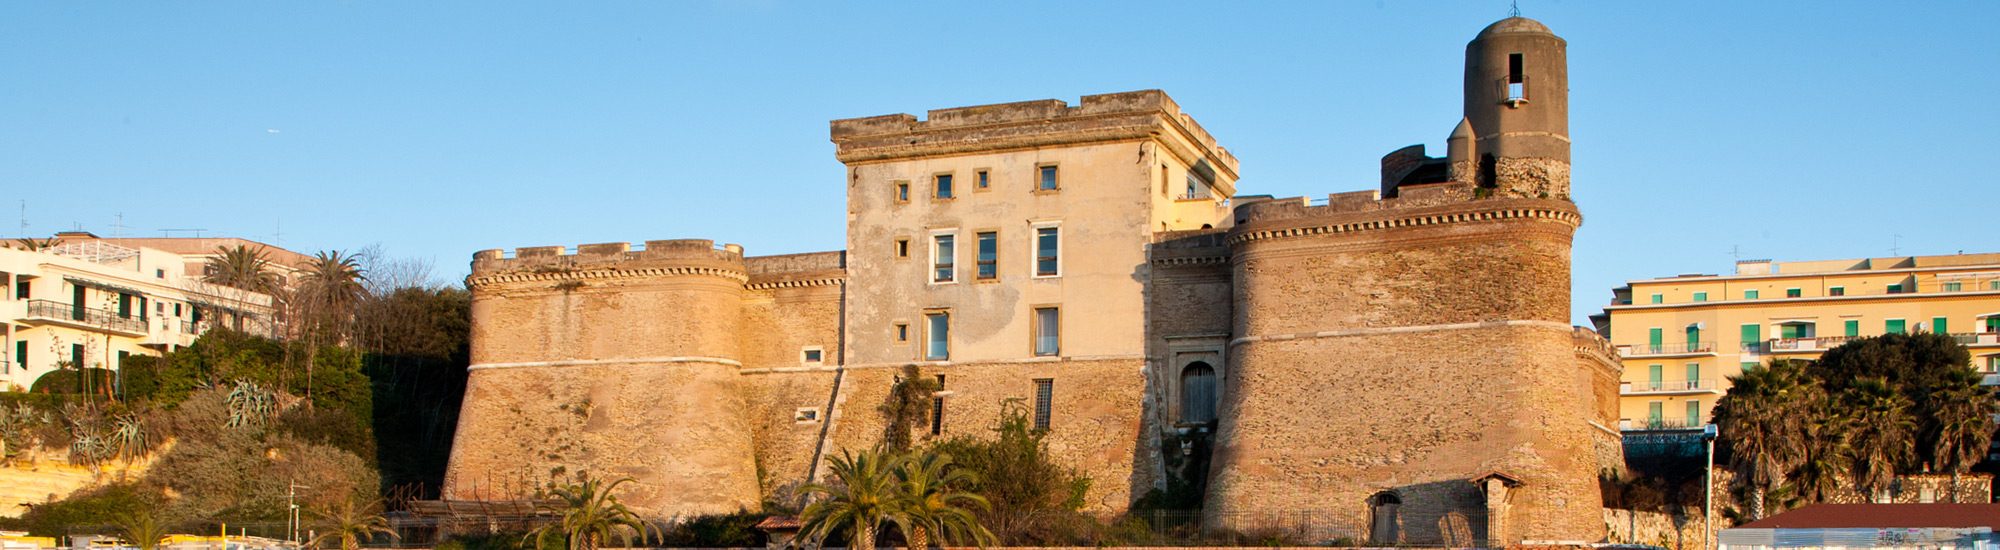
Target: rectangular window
x,y
939,335
903,248
1792,331
1694,413
937,405
1656,377
21,290
121,359
1048,331
1896,288
1747,365
1749,294
76,356
1792,293
1993,324
1655,337
1954,286
1045,389
1701,296
941,254
902,332
942,184
902,191
1517,83
21,354
1693,338
1753,334
812,355
989,255
981,180
1990,285
1047,179
159,273
1837,291
1048,255
1658,298
177,310
1694,376
1852,327
1656,413
1892,326
1938,326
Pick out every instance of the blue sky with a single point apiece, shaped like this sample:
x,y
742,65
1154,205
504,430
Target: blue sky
x,y
1789,131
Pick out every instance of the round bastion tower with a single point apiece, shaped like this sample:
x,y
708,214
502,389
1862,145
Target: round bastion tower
x,y
611,362
1401,367
1517,101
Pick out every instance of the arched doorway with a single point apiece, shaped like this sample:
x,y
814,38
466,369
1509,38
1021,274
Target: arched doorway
x,y
1383,523
1198,393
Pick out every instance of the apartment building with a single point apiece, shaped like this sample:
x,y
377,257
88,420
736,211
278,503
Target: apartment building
x,y
92,304
1682,337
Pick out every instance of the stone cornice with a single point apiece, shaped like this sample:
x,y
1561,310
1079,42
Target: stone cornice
x,y
1518,213
801,283
602,274
1197,261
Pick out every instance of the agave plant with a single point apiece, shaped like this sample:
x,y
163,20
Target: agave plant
x,y
250,403
128,436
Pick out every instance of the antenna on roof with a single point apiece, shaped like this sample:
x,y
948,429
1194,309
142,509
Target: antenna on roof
x,y
1896,248
1514,9
24,218
1736,253
118,228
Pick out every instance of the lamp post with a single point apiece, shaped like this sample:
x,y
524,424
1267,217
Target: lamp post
x,y
1708,435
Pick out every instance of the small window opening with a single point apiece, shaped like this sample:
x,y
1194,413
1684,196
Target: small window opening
x,y
981,180
1048,179
902,332
1045,389
943,186
937,408
1517,83
902,191
812,355
902,249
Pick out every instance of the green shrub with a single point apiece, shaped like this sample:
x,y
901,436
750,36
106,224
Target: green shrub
x,y
89,507
738,530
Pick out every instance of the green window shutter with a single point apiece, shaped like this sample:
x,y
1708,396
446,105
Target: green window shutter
x,y
1655,411
1694,337
1953,287
1993,324
1654,338
1747,365
1701,296
1749,294
1657,298
1655,375
1938,326
1853,327
1753,334
1694,375
1694,412
1893,326
1896,288
1791,331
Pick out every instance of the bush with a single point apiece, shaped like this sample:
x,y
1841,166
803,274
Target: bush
x,y
89,507
738,530
71,382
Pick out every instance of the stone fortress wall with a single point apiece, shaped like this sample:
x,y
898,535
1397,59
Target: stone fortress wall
x,y
1407,346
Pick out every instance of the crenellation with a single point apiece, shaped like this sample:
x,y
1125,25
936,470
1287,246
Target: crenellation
x,y
680,252
1097,118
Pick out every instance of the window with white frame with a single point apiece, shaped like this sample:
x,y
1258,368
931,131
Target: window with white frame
x,y
937,336
1048,251
943,249
812,355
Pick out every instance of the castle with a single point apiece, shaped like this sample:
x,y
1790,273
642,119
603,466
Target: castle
x,y
1401,350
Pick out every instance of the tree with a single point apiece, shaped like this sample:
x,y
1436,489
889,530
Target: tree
x,y
350,525
1761,419
242,268
589,513
931,501
141,530
865,497
1825,447
330,288
1962,423
1881,435
36,245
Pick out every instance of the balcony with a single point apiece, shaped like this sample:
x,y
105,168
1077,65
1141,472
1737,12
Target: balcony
x,y
1977,338
53,312
1812,344
1661,424
1662,350
1670,387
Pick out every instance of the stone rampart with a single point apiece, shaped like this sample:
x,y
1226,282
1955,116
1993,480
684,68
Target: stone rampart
x,y
1405,347
986,128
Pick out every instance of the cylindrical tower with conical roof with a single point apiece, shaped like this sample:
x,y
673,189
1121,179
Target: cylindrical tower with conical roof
x,y
1517,99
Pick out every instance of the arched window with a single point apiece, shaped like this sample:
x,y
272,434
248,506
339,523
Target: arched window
x,y
1198,393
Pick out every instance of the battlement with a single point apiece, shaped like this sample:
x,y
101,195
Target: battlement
x,y
647,254
1426,205
1128,115
1415,196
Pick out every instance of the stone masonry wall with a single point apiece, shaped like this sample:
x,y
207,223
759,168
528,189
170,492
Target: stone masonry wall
x,y
1407,350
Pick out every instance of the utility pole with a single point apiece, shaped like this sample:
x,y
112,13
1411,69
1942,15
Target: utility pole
x,y
291,494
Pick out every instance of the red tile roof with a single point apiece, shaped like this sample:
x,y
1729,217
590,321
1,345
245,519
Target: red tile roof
x,y
1837,516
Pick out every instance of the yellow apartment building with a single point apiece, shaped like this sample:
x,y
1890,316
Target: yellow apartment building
x,y
1682,337
92,303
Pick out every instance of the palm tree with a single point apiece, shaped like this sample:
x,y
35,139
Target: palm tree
x,y
242,268
589,512
1761,418
36,245
332,283
350,525
932,504
1962,411
141,530
1825,448
1881,435
866,496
